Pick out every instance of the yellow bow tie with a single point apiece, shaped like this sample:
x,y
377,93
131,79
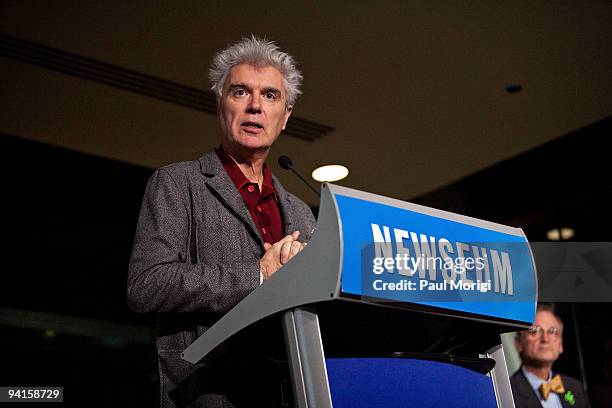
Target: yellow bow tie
x,y
554,385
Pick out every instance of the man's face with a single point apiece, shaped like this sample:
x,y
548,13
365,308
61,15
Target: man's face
x,y
252,108
541,348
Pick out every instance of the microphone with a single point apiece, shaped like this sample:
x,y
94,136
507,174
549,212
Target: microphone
x,y
286,163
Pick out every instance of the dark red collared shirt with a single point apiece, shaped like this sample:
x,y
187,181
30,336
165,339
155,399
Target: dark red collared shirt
x,y
262,205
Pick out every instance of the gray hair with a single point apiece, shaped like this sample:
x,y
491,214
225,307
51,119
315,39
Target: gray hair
x,y
260,53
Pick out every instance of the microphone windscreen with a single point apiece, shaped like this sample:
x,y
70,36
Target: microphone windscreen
x,y
285,162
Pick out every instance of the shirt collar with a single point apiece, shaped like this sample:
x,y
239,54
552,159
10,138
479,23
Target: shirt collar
x,y
238,177
534,380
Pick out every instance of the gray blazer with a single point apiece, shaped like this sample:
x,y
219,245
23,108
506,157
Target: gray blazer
x,y
196,254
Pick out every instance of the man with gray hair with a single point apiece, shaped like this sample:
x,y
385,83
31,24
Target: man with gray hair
x,y
213,229
535,385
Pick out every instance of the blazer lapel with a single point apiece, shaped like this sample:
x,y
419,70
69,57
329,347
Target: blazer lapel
x,y
562,396
221,184
525,392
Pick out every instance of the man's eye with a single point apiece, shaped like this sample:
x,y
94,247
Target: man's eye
x,y
270,95
239,92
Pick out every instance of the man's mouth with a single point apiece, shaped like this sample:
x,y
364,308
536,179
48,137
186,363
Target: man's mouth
x,y
251,125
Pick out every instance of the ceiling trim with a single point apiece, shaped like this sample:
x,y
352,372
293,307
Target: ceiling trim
x,y
133,81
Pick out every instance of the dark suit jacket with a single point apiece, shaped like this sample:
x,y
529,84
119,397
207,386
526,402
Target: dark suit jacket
x,y
196,254
526,397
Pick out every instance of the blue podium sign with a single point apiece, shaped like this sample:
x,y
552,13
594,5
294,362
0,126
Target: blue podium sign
x,y
394,251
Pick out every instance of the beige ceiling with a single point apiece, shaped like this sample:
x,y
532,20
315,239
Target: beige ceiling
x,y
414,90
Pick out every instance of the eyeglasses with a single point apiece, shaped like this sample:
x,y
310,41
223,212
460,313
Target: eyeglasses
x,y
537,330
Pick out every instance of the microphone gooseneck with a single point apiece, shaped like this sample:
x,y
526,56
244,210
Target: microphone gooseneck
x,y
286,163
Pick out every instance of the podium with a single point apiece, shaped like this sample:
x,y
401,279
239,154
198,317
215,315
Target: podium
x,y
393,304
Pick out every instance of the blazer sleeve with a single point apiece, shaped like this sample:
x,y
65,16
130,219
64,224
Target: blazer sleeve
x,y
161,276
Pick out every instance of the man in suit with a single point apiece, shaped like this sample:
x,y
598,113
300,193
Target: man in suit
x,y
213,229
534,385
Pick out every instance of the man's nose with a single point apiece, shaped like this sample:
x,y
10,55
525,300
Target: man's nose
x,y
254,103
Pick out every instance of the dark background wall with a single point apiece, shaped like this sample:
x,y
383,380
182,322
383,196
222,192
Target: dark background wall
x,y
68,221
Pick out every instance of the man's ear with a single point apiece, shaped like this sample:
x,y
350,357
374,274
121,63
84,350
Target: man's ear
x,y
220,115
287,114
218,106
517,343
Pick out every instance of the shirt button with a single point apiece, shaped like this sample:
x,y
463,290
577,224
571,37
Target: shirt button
x,y
263,229
258,208
250,188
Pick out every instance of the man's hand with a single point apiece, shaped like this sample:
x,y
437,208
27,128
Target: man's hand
x,y
279,253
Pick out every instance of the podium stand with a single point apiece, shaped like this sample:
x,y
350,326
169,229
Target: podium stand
x,y
357,332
